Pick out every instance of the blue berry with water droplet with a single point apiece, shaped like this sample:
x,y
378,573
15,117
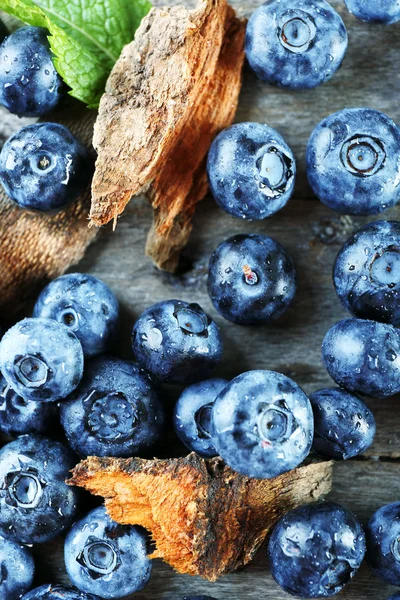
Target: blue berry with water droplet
x,y
176,342
29,83
363,356
371,11
352,163
42,360
383,543
35,502
316,549
262,424
58,592
251,279
16,569
344,426
86,305
295,46
366,273
105,558
192,416
115,411
251,170
43,167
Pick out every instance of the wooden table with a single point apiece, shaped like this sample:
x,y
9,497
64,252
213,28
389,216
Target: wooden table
x,y
313,235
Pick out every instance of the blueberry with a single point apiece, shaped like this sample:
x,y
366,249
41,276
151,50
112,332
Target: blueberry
x,y
19,416
344,426
16,570
58,592
383,543
29,83
366,273
176,342
395,596
105,558
384,11
42,360
296,47
363,356
263,424
316,549
35,502
352,163
192,416
86,306
43,167
251,279
115,411
251,170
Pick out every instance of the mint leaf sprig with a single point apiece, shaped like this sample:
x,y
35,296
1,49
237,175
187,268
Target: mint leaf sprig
x,y
85,36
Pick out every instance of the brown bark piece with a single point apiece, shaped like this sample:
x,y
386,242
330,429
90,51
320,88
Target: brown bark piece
x,y
204,518
171,91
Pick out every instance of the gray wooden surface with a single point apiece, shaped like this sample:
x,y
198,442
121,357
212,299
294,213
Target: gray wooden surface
x,y
313,235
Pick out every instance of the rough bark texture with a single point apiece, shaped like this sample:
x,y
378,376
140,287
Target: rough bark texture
x,y
205,519
172,90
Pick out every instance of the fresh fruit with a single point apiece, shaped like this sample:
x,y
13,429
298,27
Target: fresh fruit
x,y
192,416
352,161
251,279
176,342
316,549
263,424
384,11
42,360
86,305
58,592
35,502
363,356
295,46
383,543
17,569
251,170
43,167
29,83
344,426
366,272
105,558
19,416
115,411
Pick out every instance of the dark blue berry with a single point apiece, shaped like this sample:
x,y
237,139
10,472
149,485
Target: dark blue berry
x,y
384,11
16,569
115,411
295,45
344,426
176,342
192,416
363,356
263,424
105,558
35,502
251,170
366,273
19,416
29,83
315,550
352,161
43,167
395,596
58,592
86,306
383,543
251,279
42,360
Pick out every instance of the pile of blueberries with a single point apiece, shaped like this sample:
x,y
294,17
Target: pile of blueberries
x,y
57,366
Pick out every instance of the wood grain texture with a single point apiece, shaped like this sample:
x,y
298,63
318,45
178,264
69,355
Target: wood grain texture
x,y
313,235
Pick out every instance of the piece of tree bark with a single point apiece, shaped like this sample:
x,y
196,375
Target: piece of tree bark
x,y
171,91
204,518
